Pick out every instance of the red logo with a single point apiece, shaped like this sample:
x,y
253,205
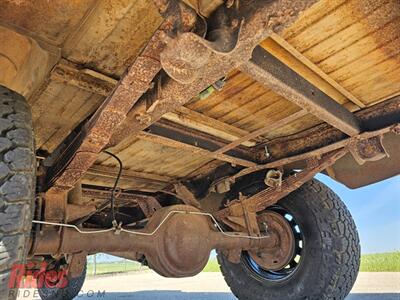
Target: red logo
x,y
25,276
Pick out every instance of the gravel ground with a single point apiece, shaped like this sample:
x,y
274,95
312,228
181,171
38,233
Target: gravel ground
x,y
208,286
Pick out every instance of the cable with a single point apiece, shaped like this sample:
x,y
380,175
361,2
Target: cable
x,y
112,200
217,225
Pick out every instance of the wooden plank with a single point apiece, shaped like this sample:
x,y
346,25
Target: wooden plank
x,y
299,63
148,157
201,122
127,174
193,149
275,75
350,42
261,131
196,138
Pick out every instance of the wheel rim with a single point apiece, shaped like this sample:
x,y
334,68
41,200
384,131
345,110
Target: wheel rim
x,y
292,266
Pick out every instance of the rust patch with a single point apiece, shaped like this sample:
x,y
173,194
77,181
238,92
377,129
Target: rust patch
x,y
51,20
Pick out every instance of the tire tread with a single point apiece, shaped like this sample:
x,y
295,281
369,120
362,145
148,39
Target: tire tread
x,y
17,183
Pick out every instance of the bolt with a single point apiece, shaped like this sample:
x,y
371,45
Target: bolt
x,y
265,227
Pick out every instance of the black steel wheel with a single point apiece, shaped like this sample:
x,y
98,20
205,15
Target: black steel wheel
x,y
292,265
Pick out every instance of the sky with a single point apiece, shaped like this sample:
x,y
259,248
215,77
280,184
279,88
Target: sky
x,y
376,212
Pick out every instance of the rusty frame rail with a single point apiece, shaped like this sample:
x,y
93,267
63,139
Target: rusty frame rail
x,y
350,144
84,150
255,23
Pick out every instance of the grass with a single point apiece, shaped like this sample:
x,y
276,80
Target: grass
x,y
384,262
212,266
114,267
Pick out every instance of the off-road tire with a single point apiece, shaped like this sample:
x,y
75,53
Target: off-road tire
x,y
68,293
331,256
17,184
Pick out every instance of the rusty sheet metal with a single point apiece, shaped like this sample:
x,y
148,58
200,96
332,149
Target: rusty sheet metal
x,y
214,63
353,175
50,20
113,35
112,112
275,75
24,63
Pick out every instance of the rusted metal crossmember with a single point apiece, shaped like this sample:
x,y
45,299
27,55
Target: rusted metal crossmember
x,y
272,195
208,60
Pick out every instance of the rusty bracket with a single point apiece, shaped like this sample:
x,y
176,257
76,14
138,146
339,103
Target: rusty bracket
x,y
274,178
148,205
186,195
208,59
250,216
76,264
55,206
370,149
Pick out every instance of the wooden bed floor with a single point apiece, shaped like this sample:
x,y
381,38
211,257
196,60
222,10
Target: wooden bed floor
x,y
350,49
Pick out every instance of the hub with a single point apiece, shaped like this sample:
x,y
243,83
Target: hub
x,y
278,257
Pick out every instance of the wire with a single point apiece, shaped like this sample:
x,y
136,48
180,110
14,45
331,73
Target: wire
x,y
112,199
217,225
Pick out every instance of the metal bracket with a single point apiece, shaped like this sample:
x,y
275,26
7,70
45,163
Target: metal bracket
x,y
76,264
273,178
148,205
371,149
186,195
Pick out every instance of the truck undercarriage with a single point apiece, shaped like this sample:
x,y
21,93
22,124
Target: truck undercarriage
x,y
160,130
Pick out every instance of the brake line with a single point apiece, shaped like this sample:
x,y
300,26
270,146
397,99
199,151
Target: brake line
x,y
117,229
